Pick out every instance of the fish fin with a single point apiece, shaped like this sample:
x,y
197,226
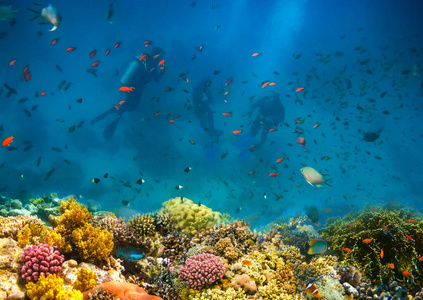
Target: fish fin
x,y
34,11
53,28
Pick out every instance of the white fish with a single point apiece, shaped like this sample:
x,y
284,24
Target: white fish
x,y
313,177
48,15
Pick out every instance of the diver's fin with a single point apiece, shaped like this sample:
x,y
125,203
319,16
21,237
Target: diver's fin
x,y
110,129
102,116
53,28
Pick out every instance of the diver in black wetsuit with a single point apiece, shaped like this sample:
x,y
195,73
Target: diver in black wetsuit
x,y
270,114
202,100
138,74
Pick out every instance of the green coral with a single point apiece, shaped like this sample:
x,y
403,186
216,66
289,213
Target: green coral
x,y
51,288
395,230
85,280
92,243
191,218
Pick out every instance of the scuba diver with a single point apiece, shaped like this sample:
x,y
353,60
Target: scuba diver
x,y
270,114
139,73
202,99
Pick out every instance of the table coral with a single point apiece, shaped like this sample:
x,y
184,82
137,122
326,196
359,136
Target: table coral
x,y
201,270
190,218
41,260
92,243
122,291
51,287
395,230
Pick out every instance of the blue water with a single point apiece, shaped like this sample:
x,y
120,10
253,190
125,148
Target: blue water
x,y
334,39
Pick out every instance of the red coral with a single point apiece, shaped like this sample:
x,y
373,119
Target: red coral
x,y
202,269
40,260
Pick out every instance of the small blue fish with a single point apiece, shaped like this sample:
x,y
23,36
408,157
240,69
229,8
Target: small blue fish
x,y
129,253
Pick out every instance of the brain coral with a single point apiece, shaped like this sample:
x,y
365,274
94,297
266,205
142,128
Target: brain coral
x,y
41,260
190,218
202,269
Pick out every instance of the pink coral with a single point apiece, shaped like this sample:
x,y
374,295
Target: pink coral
x,y
40,260
202,269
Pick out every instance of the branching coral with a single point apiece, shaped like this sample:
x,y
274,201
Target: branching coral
x,y
92,243
33,234
75,215
360,238
85,280
11,226
51,287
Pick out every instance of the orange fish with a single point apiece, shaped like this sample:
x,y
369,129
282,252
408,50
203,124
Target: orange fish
x,y
408,237
92,53
42,93
70,49
116,107
381,253
255,54
226,114
7,141
272,129
279,160
161,62
157,114
301,141
421,258
226,93
126,89
144,56
374,280
313,291
95,64
192,142
351,225
229,81
251,172
171,121
107,51
12,62
54,42
384,228
411,221
121,102
247,262
347,249
272,83
147,43
117,44
367,241
27,76
265,84
406,273
236,131
273,174
299,89
317,125
392,266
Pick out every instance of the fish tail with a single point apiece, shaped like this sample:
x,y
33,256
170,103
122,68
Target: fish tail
x,y
53,28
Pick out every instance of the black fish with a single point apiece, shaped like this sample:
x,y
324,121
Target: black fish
x,y
127,184
140,181
48,174
92,71
10,90
79,100
95,180
106,175
28,147
38,161
57,149
216,72
187,169
178,187
23,100
27,113
59,68
67,86
125,203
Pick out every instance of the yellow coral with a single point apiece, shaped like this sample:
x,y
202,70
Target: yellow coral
x,y
75,216
143,225
11,226
51,288
213,294
191,218
33,234
271,291
93,244
85,280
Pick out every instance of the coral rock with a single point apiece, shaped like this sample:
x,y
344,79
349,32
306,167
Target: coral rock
x,y
10,264
123,291
244,282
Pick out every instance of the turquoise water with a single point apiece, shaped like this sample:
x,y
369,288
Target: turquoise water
x,y
360,65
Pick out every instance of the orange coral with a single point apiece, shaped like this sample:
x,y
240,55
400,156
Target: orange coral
x,y
123,291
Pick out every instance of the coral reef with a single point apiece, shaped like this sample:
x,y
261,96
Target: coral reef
x,y
201,270
11,226
93,244
51,287
39,234
190,218
75,215
122,291
382,243
10,264
41,260
142,225
85,280
244,282
174,247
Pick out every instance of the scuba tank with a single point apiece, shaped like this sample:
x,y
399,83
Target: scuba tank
x,y
132,72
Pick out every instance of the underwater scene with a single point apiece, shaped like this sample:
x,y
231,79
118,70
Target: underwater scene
x,y
211,149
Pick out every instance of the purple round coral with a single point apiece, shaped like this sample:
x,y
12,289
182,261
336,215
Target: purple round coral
x,y
40,260
202,269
